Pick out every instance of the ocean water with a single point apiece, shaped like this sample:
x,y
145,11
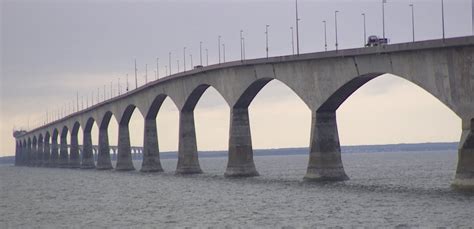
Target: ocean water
x,y
385,189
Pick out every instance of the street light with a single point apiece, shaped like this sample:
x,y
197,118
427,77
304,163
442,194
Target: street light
x,y
207,57
335,21
136,78
292,40
413,21
184,59
219,47
297,30
241,45
365,31
442,16
266,38
325,37
157,69
200,53
169,58
383,17
223,52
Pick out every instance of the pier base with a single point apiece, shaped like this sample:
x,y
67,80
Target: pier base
x,y
325,162
151,153
87,155
103,158
188,162
74,158
63,153
124,155
240,162
464,178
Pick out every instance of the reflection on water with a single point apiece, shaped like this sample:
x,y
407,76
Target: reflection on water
x,y
386,189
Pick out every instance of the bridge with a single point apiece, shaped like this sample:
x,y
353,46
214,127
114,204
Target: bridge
x,y
323,80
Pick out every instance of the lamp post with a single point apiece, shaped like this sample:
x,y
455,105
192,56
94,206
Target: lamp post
x,y
413,21
157,69
325,37
241,45
200,53
266,38
136,79
297,30
292,40
383,17
207,57
365,31
169,59
335,21
219,47
442,17
184,59
223,52
191,58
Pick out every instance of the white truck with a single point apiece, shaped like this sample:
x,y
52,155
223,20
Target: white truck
x,y
373,41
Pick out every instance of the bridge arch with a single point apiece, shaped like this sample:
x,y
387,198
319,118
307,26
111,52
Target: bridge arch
x,y
188,161
63,148
104,161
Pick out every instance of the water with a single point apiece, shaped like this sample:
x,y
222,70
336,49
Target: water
x,y
386,189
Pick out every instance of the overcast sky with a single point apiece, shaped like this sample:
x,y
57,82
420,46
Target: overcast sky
x,y
51,49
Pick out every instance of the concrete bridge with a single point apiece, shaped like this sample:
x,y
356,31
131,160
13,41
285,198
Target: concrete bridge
x,y
323,80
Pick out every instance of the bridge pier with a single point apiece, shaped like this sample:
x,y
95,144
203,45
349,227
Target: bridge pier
x,y
188,161
325,162
240,162
464,178
54,161
46,154
39,159
87,155
103,158
63,153
151,153
34,154
74,160
124,155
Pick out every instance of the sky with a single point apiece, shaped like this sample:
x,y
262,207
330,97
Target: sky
x,y
53,49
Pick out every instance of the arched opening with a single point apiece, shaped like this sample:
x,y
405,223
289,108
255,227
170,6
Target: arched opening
x,y
47,149
124,156
108,132
166,115
389,112
30,153
40,150
75,158
54,160
92,131
63,148
34,151
211,115
264,114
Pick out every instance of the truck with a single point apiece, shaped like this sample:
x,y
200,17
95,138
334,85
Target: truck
x,y
373,41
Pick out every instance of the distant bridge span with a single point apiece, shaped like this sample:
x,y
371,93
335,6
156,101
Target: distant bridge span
x,y
324,80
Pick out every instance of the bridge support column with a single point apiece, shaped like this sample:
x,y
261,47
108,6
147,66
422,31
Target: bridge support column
x,y
465,170
74,160
40,154
103,158
54,161
34,155
87,155
124,155
240,162
17,154
151,153
188,162
63,153
325,162
46,154
29,155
